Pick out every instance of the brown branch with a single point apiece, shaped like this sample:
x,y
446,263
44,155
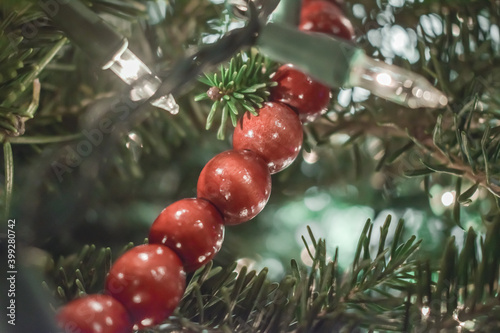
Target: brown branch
x,y
413,125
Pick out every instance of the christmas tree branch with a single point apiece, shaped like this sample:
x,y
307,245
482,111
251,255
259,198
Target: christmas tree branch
x,y
425,132
242,86
386,288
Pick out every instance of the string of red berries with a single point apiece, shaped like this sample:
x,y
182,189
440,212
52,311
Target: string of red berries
x,y
145,285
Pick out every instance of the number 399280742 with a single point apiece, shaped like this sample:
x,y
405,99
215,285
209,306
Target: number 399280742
x,y
11,247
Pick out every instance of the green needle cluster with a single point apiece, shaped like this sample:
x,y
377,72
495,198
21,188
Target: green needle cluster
x,y
241,86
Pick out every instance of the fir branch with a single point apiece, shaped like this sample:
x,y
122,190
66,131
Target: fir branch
x,y
306,300
428,144
241,86
386,290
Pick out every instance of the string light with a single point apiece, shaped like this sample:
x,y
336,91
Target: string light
x,y
108,49
394,83
128,67
339,63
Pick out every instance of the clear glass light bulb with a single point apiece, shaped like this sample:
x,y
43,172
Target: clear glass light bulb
x,y
144,84
394,83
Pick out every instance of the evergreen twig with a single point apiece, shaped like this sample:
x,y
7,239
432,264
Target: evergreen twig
x,y
392,290
242,86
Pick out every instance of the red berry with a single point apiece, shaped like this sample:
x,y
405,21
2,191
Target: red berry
x,y
275,135
94,313
238,183
324,16
308,97
149,281
193,228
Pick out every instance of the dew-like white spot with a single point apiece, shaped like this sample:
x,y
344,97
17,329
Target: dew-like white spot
x,y
247,179
158,273
146,322
307,26
96,306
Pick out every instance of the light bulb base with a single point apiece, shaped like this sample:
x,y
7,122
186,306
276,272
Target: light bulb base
x,y
85,29
323,57
287,12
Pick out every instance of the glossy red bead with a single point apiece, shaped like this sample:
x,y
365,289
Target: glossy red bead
x,y
275,135
238,183
324,16
193,228
307,96
94,314
149,280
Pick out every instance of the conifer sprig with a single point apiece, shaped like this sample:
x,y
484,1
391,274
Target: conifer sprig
x,y
241,86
